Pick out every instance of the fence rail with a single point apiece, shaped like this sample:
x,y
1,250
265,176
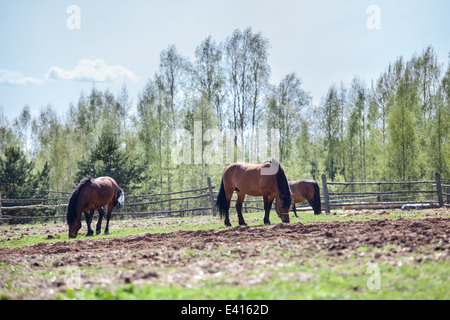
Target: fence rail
x,y
201,201
198,201
386,198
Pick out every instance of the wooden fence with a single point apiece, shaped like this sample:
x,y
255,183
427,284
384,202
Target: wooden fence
x,y
180,203
201,201
383,195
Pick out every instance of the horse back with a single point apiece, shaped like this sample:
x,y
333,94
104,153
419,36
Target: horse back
x,y
302,190
99,193
247,178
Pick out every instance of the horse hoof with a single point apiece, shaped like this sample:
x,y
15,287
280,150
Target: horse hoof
x,y
89,234
97,232
243,224
267,223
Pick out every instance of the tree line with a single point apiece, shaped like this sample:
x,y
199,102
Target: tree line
x,y
394,127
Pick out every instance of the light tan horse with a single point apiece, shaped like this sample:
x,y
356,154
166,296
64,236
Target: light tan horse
x,y
308,190
267,180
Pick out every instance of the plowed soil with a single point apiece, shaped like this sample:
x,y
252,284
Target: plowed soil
x,y
339,235
199,255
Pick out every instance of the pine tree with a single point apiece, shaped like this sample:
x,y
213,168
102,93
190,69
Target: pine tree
x,y
42,178
16,174
107,159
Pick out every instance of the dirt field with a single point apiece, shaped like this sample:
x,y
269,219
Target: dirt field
x,y
186,258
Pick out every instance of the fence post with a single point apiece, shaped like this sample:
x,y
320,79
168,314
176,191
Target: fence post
x,y
448,195
325,193
439,190
211,197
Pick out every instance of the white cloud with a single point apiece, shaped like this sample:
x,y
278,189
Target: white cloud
x,y
16,78
86,70
92,71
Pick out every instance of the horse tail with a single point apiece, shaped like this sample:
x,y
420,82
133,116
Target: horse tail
x,y
120,201
221,202
316,202
73,200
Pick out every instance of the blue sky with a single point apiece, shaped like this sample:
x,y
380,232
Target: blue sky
x,y
43,62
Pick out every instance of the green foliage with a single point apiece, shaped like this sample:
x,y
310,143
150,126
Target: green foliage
x,y
398,128
402,129
331,115
16,174
108,159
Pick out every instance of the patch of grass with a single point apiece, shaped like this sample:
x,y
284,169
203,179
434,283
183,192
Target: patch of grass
x,y
25,240
418,281
117,229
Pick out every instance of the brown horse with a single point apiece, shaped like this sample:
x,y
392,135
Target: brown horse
x,y
267,180
305,190
90,195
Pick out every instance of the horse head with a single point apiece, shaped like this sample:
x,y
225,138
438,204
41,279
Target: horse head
x,y
74,227
281,210
74,215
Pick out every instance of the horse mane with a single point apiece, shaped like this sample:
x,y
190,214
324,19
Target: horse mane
x,y
283,187
73,200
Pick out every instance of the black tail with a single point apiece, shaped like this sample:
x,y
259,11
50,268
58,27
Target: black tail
x,y
316,202
221,202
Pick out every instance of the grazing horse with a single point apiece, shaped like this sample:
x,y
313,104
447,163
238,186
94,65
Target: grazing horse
x,y
267,180
305,190
90,195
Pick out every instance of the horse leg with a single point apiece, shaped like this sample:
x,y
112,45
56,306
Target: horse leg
x,y
240,200
101,213
311,203
228,195
227,216
108,216
294,209
88,221
267,205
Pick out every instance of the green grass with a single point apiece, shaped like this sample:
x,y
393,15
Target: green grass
x,y
117,229
327,277
342,281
